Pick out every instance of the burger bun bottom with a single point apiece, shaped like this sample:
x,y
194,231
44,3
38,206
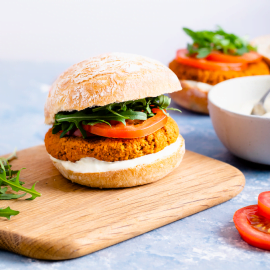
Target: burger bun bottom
x,y
135,176
193,96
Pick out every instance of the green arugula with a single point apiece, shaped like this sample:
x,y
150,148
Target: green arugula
x,y
8,212
204,42
10,178
134,110
8,196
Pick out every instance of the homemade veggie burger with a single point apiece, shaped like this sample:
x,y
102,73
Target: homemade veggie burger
x,y
213,57
110,123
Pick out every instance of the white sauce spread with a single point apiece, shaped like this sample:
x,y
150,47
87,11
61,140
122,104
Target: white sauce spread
x,y
92,165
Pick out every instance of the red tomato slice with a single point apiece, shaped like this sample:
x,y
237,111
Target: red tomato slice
x,y
183,58
264,204
130,131
253,227
250,57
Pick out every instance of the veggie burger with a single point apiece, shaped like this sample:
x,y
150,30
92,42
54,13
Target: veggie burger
x,y
213,57
111,127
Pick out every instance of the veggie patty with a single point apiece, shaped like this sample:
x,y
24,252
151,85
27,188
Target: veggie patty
x,y
185,72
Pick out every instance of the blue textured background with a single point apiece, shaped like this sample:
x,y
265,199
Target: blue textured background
x,y
207,240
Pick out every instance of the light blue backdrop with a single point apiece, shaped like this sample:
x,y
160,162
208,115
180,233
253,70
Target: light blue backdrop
x,y
207,240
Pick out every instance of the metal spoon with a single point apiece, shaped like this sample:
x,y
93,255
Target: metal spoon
x,y
258,108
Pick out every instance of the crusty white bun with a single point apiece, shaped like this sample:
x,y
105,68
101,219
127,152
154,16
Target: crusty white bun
x,y
108,78
128,177
193,96
263,46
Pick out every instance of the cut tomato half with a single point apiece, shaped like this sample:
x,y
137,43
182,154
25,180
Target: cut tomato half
x,y
264,204
130,130
253,227
250,57
183,58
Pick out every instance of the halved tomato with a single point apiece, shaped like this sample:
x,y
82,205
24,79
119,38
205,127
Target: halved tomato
x,y
130,130
250,57
253,227
264,204
183,57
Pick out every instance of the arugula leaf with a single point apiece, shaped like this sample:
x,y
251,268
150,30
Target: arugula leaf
x,y
8,212
66,127
91,123
130,114
14,183
13,180
8,171
204,42
203,52
56,128
10,178
7,196
3,190
134,110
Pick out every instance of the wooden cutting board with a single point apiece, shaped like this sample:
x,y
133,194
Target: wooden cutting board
x,y
70,220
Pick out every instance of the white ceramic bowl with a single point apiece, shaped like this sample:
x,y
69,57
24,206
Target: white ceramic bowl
x,y
246,136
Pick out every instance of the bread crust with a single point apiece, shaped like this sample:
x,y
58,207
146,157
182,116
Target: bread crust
x,y
192,96
139,175
108,78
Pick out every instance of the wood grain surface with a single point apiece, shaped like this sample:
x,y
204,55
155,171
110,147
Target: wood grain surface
x,y
70,220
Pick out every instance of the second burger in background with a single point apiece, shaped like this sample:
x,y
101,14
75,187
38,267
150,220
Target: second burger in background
x,y
213,57
110,123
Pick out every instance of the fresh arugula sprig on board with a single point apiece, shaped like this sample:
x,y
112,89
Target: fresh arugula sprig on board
x,y
10,178
204,42
134,110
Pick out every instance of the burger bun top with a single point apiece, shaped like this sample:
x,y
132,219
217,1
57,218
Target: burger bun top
x,y
108,78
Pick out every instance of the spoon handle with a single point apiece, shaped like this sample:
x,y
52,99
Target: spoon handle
x,y
264,97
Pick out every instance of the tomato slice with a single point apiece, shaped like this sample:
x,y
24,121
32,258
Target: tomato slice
x,y
130,131
264,204
250,57
183,58
253,227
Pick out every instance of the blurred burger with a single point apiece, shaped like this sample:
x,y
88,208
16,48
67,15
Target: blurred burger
x,y
213,57
110,123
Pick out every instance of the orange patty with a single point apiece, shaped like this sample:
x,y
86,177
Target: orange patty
x,y
110,149
185,72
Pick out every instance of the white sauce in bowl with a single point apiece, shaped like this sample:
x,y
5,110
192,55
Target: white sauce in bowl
x,y
267,115
246,107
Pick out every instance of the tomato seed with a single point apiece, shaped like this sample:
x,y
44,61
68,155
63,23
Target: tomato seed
x,y
259,223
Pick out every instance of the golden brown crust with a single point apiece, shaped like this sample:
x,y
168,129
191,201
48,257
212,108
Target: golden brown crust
x,y
106,79
109,149
139,175
191,97
194,98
